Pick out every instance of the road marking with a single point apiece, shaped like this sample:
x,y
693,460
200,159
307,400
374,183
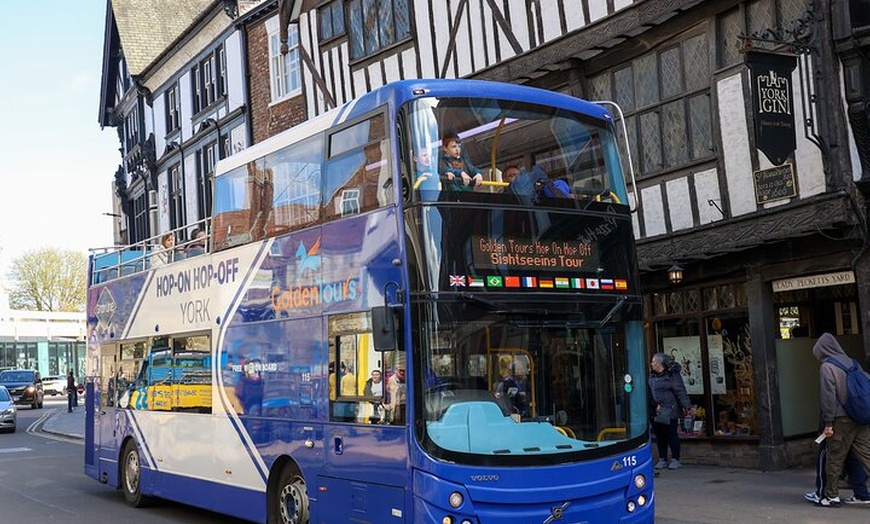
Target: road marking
x,y
14,450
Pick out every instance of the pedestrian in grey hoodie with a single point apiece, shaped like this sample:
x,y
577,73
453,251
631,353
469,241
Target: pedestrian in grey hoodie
x,y
841,431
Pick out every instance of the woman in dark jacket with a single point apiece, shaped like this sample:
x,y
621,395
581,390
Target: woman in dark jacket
x,y
667,395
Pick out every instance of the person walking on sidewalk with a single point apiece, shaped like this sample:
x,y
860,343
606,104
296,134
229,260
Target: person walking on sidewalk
x,y
667,398
70,391
841,432
854,470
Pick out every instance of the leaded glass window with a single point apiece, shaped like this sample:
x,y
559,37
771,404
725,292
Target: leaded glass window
x,y
376,25
665,96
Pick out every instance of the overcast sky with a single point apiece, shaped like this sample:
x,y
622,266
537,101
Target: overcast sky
x,y
56,164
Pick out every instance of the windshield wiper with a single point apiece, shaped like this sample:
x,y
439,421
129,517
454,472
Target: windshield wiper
x,y
616,307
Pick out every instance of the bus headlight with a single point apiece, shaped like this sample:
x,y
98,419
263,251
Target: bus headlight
x,y
639,481
447,520
641,501
455,499
631,506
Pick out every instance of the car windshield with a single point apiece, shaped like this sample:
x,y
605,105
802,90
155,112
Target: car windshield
x,y
4,395
16,376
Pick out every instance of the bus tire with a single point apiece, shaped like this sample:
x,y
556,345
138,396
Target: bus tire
x,y
131,476
290,500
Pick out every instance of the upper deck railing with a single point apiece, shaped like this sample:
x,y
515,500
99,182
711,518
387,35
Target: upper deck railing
x,y
109,263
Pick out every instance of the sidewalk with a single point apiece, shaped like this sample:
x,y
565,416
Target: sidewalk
x,y
710,495
692,495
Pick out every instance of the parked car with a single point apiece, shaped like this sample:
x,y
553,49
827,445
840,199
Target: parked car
x,y
25,386
8,412
54,385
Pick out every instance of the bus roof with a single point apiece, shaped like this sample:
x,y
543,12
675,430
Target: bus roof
x,y
401,92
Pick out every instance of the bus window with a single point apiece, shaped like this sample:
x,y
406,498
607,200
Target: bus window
x,y
191,374
357,379
357,174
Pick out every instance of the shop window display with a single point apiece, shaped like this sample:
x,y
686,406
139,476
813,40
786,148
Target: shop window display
x,y
714,351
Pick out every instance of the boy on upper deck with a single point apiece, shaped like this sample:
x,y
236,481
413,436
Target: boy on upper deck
x,y
460,173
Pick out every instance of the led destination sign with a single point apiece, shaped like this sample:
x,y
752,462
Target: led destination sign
x,y
525,254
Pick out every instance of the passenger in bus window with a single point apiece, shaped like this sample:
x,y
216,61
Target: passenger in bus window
x,y
425,177
396,399
197,245
514,390
374,388
165,252
509,175
374,385
460,173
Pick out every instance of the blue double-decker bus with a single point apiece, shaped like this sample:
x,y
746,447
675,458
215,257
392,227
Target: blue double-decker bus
x,y
422,307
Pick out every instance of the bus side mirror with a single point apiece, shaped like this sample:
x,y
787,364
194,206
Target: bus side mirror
x,y
384,328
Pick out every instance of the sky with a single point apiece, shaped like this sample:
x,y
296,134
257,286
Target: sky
x,y
56,164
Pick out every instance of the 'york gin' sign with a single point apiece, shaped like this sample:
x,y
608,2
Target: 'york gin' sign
x,y
773,103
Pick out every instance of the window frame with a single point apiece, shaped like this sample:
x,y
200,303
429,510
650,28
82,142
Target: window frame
x,y
173,116
279,64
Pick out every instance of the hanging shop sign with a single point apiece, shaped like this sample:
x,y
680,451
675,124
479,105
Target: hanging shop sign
x,y
828,279
773,104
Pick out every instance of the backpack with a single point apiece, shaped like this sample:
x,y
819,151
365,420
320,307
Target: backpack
x,y
857,403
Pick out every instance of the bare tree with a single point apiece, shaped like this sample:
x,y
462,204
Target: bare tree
x,y
48,279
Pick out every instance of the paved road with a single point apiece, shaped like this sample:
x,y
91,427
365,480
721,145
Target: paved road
x,y
692,495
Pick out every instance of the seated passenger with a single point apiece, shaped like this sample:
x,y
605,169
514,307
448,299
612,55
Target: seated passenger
x,y
461,175
509,175
197,245
549,187
165,252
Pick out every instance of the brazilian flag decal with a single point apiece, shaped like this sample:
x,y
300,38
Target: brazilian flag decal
x,y
494,281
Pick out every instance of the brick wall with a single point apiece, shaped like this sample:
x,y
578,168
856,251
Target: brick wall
x,y
268,119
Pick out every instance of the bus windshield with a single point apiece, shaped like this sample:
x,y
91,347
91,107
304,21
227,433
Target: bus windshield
x,y
481,146
524,384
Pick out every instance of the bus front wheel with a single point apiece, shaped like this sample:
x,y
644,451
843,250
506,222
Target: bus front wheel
x,y
290,505
131,477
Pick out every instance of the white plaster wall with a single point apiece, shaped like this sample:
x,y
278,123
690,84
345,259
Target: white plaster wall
x,y
185,101
807,157
597,9
391,66
409,63
442,36
376,79
159,115
239,138
679,203
550,20
619,4
190,189
574,16
235,72
520,28
635,216
735,145
424,39
162,203
653,211
706,189
853,146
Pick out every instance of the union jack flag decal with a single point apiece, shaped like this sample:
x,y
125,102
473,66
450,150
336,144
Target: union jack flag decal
x,y
457,280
